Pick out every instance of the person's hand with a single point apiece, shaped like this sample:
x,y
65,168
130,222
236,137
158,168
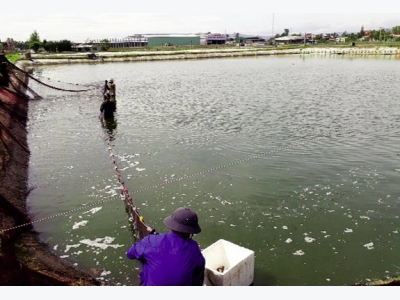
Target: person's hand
x,y
151,230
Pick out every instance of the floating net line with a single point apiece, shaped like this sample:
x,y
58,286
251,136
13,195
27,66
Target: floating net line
x,y
15,90
15,80
12,93
14,86
138,224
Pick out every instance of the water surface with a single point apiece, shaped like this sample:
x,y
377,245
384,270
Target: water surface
x,y
293,157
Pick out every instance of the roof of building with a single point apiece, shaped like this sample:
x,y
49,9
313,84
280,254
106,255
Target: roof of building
x,y
289,38
84,46
169,35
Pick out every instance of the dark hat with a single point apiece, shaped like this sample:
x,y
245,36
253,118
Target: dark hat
x,y
183,220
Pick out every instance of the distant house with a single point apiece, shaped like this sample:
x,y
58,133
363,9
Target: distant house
x,y
366,36
327,36
309,36
293,39
253,39
86,48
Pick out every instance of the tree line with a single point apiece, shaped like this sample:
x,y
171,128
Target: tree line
x,y
380,34
34,43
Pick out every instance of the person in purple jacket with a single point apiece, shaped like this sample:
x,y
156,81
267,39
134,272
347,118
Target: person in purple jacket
x,y
173,258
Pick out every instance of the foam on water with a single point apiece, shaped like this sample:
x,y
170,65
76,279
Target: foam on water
x,y
369,246
93,210
80,224
299,253
68,247
102,243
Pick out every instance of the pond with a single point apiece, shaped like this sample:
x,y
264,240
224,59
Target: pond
x,y
294,157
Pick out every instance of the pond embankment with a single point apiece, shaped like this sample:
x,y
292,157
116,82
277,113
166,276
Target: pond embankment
x,y
72,58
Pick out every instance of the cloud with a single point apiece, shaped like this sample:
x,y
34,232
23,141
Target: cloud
x,y
81,26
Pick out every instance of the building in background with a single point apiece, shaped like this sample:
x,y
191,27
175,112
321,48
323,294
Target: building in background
x,y
172,39
154,40
293,39
216,38
137,40
253,39
86,47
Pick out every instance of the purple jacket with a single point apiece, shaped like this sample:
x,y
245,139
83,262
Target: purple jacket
x,y
168,260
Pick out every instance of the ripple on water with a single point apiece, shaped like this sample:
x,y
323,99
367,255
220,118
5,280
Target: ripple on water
x,y
270,162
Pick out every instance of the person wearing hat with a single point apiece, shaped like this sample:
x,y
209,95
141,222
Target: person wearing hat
x,y
173,258
111,89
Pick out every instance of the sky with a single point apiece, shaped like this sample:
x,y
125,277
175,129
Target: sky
x,y
78,21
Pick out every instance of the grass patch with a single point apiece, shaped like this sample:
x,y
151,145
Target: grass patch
x,y
23,256
13,57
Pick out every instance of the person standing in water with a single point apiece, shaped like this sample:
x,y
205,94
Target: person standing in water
x,y
108,107
106,87
111,89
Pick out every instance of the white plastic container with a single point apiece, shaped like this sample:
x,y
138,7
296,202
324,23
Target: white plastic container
x,y
228,264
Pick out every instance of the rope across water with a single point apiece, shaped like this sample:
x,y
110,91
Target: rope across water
x,y
138,220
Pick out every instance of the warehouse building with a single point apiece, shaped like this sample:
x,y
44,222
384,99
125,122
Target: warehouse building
x,y
216,38
172,40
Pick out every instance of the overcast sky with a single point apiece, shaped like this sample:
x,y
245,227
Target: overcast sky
x,y
79,21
